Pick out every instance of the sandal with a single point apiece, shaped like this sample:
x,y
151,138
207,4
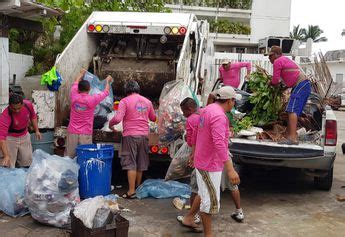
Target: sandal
x,y
127,196
194,229
287,141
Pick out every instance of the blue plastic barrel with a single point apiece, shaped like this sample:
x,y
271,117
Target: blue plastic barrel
x,y
95,162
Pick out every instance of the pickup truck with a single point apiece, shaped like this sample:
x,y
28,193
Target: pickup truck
x,y
314,158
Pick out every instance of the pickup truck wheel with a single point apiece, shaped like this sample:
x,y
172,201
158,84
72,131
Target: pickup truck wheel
x,y
324,183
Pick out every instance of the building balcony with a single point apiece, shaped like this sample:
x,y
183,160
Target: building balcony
x,y
237,15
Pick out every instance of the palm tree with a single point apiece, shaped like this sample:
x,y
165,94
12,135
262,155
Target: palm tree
x,y
314,32
297,33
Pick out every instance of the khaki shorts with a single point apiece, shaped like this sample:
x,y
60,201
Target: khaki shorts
x,y
135,153
20,151
73,140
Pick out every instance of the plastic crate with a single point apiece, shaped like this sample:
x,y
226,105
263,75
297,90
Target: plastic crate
x,y
118,228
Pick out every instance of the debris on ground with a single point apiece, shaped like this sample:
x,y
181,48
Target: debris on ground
x,y
158,188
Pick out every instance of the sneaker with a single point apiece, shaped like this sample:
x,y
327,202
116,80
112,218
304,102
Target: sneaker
x,y
197,219
239,217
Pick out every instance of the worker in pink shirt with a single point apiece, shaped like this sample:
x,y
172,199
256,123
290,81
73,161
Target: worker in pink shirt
x,y
293,77
15,143
83,105
210,157
135,111
191,111
229,72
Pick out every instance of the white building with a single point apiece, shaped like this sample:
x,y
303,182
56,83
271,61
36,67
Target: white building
x,y
264,17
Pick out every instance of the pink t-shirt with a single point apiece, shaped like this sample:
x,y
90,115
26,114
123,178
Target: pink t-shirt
x,y
21,121
82,110
289,77
192,127
135,112
231,77
211,149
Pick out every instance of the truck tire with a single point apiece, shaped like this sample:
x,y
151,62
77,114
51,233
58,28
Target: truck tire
x,y
324,183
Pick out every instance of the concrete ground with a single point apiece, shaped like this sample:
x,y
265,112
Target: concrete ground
x,y
277,202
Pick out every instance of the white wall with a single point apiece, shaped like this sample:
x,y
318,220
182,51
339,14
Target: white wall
x,y
19,65
4,71
270,18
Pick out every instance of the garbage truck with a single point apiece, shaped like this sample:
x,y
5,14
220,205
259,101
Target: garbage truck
x,y
151,48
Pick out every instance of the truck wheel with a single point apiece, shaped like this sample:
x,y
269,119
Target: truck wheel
x,y
324,183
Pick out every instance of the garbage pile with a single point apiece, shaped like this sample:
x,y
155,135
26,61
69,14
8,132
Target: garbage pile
x,y
171,123
97,212
51,188
12,192
267,119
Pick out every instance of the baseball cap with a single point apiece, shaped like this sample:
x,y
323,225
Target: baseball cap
x,y
226,92
274,50
225,61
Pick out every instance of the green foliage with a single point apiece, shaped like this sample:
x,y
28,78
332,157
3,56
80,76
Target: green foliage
x,y
43,47
265,98
228,27
313,31
243,124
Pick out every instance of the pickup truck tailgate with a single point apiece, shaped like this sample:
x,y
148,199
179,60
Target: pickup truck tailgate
x,y
265,149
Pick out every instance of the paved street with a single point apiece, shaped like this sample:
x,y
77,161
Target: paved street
x,y
276,203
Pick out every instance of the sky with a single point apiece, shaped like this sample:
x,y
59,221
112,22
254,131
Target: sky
x,y
329,15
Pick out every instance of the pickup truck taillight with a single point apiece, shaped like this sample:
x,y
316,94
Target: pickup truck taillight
x,y
331,133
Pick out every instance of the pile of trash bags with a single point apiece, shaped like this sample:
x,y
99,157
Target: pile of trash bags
x,y
97,212
179,167
97,86
158,188
51,188
171,123
12,192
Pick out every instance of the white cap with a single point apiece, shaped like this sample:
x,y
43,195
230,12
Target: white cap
x,y
226,92
225,61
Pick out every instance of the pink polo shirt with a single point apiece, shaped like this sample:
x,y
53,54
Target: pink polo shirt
x,y
21,120
82,110
211,150
290,78
231,77
135,112
192,127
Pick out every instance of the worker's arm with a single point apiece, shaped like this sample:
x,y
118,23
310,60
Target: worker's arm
x,y
5,121
97,98
277,69
249,68
220,75
120,114
4,149
232,174
80,75
152,114
34,121
219,125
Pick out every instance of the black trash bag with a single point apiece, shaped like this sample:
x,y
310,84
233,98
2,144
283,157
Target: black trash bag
x,y
243,105
99,121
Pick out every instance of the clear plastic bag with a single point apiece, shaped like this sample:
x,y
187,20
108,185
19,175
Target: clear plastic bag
x,y
51,188
171,123
97,86
158,188
179,168
12,192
